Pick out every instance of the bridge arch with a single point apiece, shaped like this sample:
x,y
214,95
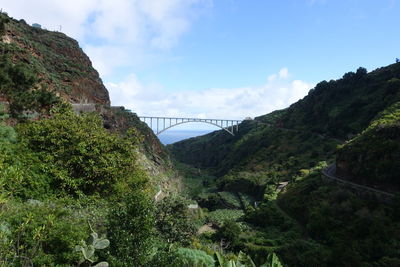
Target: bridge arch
x,y
179,123
230,126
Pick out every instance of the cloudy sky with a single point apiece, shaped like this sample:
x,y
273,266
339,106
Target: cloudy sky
x,y
220,58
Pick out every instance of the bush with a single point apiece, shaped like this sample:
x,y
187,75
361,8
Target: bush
x,y
20,169
39,233
80,155
130,230
173,221
229,232
192,257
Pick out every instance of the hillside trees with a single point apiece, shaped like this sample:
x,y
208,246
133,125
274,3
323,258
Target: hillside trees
x,y
372,156
80,155
18,84
131,230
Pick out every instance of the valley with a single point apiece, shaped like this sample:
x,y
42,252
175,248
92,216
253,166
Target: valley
x,y
277,164
85,183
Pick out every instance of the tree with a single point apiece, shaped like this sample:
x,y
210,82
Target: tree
x,y
173,220
229,233
18,83
81,156
131,230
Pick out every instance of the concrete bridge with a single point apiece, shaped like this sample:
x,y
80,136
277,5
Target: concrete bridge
x,y
161,124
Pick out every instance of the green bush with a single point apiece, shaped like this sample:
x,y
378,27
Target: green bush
x,y
131,230
39,233
21,172
80,155
173,220
229,234
192,257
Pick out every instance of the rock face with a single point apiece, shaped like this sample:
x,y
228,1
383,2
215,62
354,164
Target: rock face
x,y
61,64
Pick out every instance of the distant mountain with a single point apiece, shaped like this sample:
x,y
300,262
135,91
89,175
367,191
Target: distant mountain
x,y
283,142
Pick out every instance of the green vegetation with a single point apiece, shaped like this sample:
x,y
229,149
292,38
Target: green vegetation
x,y
89,247
372,156
81,155
261,199
17,83
307,221
173,220
61,161
347,229
346,106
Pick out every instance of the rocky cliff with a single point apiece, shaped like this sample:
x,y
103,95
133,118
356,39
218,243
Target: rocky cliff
x,y
58,60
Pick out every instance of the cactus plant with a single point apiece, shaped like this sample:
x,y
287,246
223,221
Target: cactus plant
x,y
88,248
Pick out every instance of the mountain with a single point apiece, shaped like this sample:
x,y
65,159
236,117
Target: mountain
x,y
298,137
81,181
273,169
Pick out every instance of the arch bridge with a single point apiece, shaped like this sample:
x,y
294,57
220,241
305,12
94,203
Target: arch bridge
x,y
161,124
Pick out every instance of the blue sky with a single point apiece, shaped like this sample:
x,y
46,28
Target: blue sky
x,y
240,42
220,58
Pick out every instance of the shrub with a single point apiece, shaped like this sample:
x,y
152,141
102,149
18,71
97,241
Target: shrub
x,y
39,233
193,257
173,220
80,155
229,233
130,230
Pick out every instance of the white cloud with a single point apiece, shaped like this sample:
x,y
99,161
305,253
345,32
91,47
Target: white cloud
x,y
113,33
232,103
284,73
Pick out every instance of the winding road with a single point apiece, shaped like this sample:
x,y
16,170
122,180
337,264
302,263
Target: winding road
x,y
330,172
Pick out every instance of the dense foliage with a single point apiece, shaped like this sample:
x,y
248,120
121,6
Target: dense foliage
x,y
372,157
49,168
131,230
344,107
349,230
81,156
309,222
17,84
39,233
173,222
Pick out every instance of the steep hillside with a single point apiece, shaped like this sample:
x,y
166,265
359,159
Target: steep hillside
x,y
344,107
58,61
77,182
373,156
51,62
310,221
306,132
